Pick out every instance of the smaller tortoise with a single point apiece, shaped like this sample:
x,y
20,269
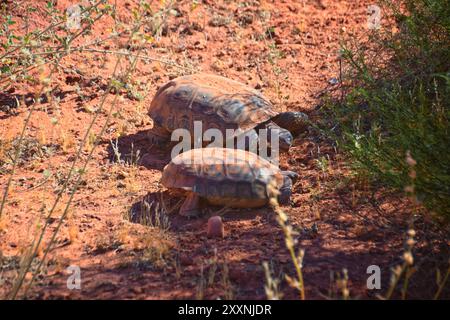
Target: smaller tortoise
x,y
219,103
226,177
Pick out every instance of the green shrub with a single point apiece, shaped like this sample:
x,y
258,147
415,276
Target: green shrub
x,y
395,101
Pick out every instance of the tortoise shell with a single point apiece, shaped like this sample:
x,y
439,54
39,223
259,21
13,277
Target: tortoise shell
x,y
216,101
224,176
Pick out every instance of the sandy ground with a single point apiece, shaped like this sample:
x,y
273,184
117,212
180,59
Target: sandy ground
x,y
341,222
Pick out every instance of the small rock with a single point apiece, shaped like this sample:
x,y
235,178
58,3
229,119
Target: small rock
x,y
199,45
246,19
221,53
121,175
292,8
333,81
215,227
278,40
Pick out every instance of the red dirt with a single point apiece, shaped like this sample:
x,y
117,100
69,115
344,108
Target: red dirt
x,y
356,226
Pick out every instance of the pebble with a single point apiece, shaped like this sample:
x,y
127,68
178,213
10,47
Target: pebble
x,y
215,227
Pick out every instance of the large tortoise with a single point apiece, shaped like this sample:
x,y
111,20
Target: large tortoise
x,y
218,103
226,177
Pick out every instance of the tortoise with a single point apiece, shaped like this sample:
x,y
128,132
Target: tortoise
x,y
226,177
219,103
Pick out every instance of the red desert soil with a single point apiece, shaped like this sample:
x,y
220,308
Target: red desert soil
x,y
340,224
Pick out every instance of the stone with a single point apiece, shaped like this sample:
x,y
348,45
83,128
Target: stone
x,y
215,227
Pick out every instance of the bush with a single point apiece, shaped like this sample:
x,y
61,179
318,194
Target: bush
x,y
395,101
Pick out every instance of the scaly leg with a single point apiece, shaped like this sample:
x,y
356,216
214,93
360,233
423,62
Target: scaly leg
x,y
159,136
191,206
290,177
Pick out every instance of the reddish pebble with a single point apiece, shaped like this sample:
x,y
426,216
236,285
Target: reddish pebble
x,y
215,227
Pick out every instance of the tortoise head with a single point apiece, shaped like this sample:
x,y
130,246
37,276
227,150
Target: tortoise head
x,y
284,137
285,140
291,174
294,121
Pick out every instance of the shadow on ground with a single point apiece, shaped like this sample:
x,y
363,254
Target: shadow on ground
x,y
161,209
137,149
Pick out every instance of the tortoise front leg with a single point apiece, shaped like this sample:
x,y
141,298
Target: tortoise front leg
x,y
290,177
191,206
159,136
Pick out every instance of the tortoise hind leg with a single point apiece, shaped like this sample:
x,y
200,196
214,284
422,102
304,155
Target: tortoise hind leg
x,y
191,206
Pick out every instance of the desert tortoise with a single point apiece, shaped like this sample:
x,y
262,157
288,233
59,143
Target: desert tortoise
x,y
226,177
218,103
